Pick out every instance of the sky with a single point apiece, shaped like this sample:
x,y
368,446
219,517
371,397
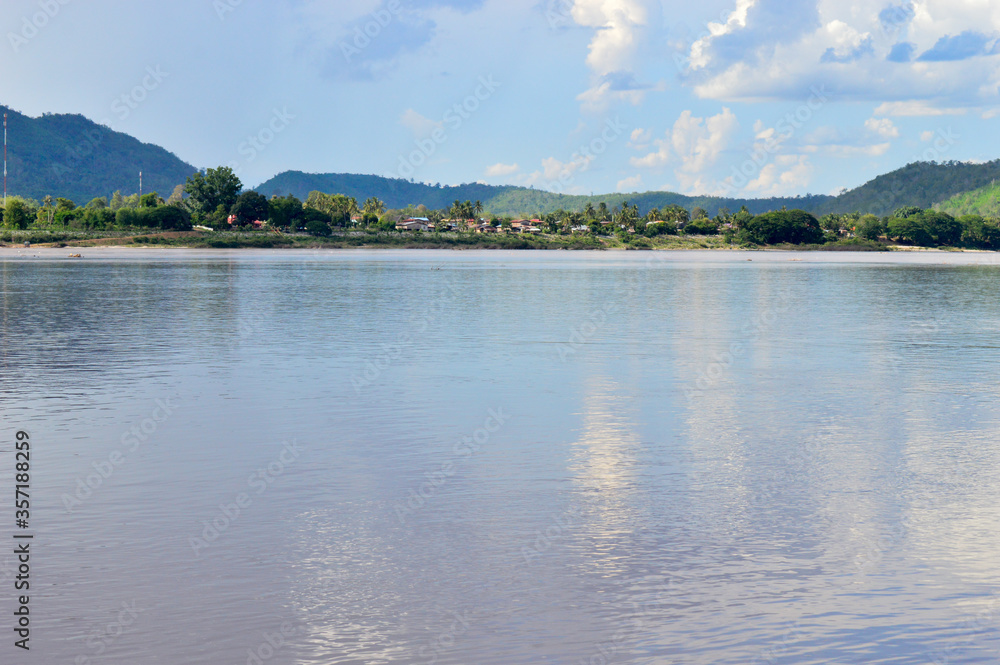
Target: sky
x,y
748,98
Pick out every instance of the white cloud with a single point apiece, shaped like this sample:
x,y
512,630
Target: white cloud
x,y
936,52
630,184
884,127
915,108
735,21
617,23
640,136
418,124
927,136
787,174
501,169
696,143
556,175
619,29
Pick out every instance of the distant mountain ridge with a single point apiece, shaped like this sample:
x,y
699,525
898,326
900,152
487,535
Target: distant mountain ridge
x,y
500,199
73,157
76,158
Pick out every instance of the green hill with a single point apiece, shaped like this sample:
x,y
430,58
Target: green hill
x,y
984,201
73,157
920,184
500,200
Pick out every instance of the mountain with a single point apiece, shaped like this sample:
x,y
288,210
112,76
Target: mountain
x,y
75,158
394,192
500,200
921,184
984,202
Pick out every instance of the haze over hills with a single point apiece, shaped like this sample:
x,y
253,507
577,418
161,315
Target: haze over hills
x,y
73,157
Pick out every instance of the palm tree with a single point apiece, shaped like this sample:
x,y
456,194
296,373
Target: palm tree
x,y
477,209
588,211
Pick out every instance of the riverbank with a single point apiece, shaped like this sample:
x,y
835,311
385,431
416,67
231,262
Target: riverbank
x,y
390,240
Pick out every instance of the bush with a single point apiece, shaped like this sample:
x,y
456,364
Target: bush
x,y
702,227
317,227
795,227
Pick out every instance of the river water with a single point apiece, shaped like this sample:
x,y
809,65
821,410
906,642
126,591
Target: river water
x,y
504,457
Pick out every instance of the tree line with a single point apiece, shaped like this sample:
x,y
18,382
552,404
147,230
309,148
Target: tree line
x,y
216,199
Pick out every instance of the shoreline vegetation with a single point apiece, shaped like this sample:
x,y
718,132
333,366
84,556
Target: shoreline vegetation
x,y
212,210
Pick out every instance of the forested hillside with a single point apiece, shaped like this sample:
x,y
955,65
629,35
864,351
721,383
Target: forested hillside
x,y
72,157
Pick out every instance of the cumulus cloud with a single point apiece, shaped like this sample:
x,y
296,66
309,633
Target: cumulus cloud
x,y
618,31
915,108
693,146
630,184
788,174
501,169
774,50
884,127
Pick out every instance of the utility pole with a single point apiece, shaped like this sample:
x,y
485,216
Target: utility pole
x,y
140,186
4,161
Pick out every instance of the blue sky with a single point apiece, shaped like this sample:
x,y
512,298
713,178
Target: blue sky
x,y
744,97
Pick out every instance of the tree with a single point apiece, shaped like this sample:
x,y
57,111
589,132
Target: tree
x,y
117,202
150,200
249,207
870,227
588,211
15,215
318,227
784,226
910,229
945,229
477,209
217,187
906,212
98,203
64,205
177,196
702,226
285,212
699,213
338,207
373,206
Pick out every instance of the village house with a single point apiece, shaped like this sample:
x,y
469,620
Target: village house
x,y
414,224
